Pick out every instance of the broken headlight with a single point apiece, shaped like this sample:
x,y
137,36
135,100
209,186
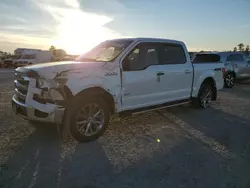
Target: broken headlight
x,y
43,84
62,78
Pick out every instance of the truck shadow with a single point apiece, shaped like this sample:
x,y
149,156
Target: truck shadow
x,y
182,158
39,162
42,149
229,130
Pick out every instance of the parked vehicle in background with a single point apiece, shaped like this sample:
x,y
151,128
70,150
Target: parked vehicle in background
x,y
237,65
121,76
31,57
10,62
67,58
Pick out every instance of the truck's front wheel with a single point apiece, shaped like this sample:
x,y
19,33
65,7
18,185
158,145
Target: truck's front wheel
x,y
87,118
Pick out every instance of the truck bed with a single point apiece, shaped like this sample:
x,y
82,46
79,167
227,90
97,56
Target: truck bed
x,y
217,69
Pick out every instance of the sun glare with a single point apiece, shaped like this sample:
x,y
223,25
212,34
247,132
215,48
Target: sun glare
x,y
78,31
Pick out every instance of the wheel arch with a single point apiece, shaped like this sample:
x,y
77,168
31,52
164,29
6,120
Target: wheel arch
x,y
98,91
231,72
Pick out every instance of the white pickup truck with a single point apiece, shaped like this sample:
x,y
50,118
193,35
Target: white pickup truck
x,y
121,76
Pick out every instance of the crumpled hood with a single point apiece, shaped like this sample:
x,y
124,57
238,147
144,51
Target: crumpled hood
x,y
50,70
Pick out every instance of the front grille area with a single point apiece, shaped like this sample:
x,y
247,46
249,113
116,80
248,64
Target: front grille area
x,y
21,87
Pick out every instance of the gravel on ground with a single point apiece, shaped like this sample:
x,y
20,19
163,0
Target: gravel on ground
x,y
177,147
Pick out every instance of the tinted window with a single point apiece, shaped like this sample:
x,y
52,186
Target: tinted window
x,y
206,58
246,58
172,54
142,56
235,57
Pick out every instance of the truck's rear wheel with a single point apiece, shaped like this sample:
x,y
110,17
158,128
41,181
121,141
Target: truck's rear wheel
x,y
87,118
205,95
229,80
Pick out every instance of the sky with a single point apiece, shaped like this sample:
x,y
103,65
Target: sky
x,y
78,25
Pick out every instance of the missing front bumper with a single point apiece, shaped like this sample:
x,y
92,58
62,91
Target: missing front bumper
x,y
33,114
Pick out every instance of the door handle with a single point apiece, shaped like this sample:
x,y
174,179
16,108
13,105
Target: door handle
x,y
160,73
188,71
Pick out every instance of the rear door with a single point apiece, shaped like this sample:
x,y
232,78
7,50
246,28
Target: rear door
x,y
247,60
240,66
176,82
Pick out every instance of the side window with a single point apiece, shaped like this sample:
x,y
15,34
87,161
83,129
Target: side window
x,y
142,56
229,58
172,54
235,57
246,58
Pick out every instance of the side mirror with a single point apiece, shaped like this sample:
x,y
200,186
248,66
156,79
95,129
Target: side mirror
x,y
126,64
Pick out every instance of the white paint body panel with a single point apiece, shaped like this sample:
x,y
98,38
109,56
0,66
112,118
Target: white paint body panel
x,y
205,70
134,89
142,88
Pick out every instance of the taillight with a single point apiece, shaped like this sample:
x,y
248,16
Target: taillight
x,y
223,72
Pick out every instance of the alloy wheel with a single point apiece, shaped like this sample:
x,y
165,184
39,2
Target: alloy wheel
x,y
206,97
90,119
229,80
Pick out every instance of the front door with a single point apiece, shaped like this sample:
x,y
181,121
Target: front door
x,y
247,61
141,77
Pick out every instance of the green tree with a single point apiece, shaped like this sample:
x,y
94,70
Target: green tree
x,y
235,49
247,50
52,49
241,47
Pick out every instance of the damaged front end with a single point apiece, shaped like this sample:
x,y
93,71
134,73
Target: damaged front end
x,y
40,99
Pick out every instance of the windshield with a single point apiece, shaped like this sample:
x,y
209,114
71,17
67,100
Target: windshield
x,y
106,51
29,56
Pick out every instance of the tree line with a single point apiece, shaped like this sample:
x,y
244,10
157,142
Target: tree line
x,y
242,48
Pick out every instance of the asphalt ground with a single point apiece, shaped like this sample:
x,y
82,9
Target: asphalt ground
x,y
177,147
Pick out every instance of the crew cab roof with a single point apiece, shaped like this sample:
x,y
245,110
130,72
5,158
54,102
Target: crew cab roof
x,y
145,39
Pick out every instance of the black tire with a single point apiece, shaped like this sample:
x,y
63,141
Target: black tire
x,y
205,87
229,80
71,115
